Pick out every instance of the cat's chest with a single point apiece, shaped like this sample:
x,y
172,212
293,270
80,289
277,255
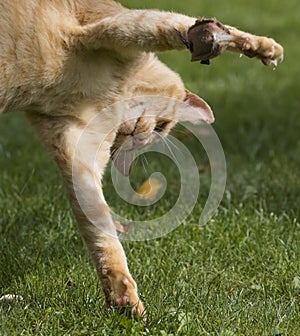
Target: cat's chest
x,y
96,74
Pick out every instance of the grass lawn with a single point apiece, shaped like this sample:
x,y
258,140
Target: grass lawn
x,y
237,275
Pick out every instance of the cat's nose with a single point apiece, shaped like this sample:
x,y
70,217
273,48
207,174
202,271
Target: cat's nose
x,y
137,142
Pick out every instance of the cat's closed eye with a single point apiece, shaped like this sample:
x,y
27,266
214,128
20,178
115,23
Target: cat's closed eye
x,y
161,125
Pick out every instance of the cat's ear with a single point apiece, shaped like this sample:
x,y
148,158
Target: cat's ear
x,y
195,109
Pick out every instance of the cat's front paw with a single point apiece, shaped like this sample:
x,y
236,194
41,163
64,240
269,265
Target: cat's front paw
x,y
263,48
208,38
120,291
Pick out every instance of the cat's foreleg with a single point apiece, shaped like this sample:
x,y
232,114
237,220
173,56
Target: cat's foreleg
x,y
135,30
82,162
149,30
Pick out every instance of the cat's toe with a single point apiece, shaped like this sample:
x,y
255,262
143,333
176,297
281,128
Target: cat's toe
x,y
130,297
270,52
122,301
263,48
121,291
137,308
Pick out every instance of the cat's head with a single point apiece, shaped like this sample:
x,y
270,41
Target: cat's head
x,y
149,118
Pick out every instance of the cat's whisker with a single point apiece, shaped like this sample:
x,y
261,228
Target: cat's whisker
x,y
114,151
176,132
124,167
167,139
172,143
143,160
169,148
115,155
134,163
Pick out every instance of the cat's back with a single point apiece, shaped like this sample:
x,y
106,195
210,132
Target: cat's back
x,y
33,43
26,27
31,49
28,21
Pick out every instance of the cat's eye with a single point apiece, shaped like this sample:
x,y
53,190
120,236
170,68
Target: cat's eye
x,y
161,125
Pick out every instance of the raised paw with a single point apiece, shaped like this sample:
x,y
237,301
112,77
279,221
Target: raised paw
x,y
208,38
269,51
263,48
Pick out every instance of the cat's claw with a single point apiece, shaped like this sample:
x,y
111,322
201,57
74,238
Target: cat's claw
x,y
131,298
122,301
265,49
137,309
274,58
123,293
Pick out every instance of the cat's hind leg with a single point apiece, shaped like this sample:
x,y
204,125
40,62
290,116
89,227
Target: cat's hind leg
x,y
82,162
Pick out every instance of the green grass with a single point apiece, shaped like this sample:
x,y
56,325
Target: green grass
x,y
238,275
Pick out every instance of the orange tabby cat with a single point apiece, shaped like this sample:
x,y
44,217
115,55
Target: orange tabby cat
x,y
63,62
